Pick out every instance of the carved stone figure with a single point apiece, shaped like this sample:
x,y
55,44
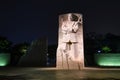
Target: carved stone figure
x,y
70,44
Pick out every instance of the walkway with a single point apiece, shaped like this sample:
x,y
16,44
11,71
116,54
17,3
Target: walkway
x,y
53,74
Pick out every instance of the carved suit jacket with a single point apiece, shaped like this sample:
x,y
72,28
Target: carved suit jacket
x,y
69,31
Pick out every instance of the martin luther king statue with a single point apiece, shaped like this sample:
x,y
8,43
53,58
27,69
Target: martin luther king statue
x,y
70,42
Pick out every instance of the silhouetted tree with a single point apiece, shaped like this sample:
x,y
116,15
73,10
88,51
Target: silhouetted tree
x,y
92,42
113,41
5,44
19,50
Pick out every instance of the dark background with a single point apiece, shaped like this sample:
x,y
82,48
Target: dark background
x,y
27,20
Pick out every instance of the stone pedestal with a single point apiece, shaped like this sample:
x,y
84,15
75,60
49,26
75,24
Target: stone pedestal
x,y
70,54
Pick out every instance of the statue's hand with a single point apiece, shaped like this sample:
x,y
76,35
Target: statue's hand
x,y
73,31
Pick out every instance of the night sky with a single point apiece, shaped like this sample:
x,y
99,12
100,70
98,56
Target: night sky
x,y
27,20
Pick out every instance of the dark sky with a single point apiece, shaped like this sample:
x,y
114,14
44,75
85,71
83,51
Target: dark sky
x,y
27,20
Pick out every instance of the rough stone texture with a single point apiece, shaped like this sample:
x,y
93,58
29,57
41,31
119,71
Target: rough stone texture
x,y
73,56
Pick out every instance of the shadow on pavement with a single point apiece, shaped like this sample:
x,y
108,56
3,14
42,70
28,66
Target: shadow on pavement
x,y
17,77
21,77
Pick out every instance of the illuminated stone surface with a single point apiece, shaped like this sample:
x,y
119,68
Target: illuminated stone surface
x,y
70,54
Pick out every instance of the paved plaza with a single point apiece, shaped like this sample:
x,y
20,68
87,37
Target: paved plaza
x,y
18,73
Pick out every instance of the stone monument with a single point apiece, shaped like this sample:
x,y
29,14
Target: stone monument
x,y
36,55
70,54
